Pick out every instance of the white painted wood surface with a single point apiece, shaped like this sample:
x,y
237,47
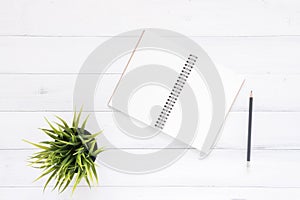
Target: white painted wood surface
x,y
269,127
65,55
94,17
55,92
44,43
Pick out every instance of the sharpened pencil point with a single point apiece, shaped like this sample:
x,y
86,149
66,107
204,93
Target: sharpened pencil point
x,y
251,94
248,163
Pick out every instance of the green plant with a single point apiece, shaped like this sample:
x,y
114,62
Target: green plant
x,y
71,153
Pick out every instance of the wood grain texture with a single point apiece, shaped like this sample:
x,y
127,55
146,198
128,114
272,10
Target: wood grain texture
x,y
94,17
150,193
270,168
60,55
44,43
55,92
271,131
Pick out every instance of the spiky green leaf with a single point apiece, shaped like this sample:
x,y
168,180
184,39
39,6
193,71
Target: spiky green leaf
x,y
37,145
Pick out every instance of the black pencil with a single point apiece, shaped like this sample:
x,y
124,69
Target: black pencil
x,y
249,128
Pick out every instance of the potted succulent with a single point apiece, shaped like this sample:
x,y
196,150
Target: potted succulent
x,y
69,155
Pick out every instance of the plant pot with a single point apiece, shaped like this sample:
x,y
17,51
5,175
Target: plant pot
x,y
88,145
85,132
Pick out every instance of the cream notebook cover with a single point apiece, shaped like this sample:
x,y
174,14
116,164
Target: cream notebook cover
x,y
176,81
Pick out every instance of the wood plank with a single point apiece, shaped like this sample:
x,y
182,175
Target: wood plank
x,y
271,130
269,60
251,55
269,168
150,193
94,17
55,92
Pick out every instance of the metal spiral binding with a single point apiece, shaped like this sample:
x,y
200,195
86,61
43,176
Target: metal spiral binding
x,y
174,94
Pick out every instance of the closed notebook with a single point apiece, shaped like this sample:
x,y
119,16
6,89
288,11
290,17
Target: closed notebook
x,y
159,103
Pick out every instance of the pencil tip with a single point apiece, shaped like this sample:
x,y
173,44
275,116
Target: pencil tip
x,y
251,94
248,164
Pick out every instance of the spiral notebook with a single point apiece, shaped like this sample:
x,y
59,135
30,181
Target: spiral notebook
x,y
158,104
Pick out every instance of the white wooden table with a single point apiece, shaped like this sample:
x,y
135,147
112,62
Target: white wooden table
x,y
43,44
